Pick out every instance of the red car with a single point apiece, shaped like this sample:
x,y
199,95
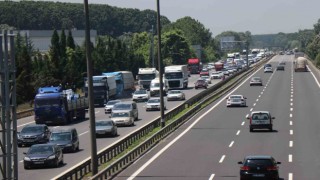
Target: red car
x,y
204,73
201,83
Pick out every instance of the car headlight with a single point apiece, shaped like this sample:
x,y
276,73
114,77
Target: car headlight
x,y
26,159
52,157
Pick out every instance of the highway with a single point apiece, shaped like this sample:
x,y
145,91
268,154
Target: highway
x,y
71,159
212,142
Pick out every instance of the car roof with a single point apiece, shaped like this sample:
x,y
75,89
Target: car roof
x,y
126,102
255,112
235,95
121,111
33,125
63,129
258,157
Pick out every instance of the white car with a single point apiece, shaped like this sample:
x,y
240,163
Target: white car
x,y
154,104
140,95
108,107
206,78
175,95
236,100
268,70
216,75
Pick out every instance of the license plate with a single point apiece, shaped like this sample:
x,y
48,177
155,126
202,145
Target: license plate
x,y
39,162
258,175
259,122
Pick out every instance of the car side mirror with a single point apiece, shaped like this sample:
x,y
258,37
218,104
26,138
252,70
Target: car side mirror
x,y
240,162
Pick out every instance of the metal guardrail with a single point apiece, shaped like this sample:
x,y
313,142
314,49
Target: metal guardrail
x,y
120,146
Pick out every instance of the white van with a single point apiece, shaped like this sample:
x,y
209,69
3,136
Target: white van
x,y
155,87
261,120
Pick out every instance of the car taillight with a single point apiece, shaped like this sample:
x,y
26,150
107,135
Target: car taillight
x,y
272,168
245,168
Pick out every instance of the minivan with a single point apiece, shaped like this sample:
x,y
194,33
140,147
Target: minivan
x,y
129,106
261,120
66,138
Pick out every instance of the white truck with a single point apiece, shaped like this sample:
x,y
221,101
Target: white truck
x,y
145,76
176,76
300,64
155,87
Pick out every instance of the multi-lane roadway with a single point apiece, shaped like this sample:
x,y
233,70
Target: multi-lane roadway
x,y
211,143
72,159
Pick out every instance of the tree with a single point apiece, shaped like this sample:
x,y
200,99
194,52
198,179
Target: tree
x,y
54,50
70,40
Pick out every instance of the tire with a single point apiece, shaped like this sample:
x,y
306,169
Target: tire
x,y
26,167
78,148
271,129
57,164
251,130
61,162
19,145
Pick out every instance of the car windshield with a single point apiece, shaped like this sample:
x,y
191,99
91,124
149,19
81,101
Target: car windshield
x,y
32,129
258,162
200,81
41,150
205,77
112,102
47,102
260,116
235,97
104,123
174,92
256,79
140,92
120,114
121,106
154,101
60,136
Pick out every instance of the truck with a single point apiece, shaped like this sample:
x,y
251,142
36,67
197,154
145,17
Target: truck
x,y
300,64
145,76
194,65
218,66
124,80
176,76
155,87
104,88
53,106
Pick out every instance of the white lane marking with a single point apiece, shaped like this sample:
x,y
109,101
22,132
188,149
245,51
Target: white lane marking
x,y
262,92
291,132
83,133
254,104
291,99
259,96
315,78
211,177
183,133
291,89
222,158
291,115
290,143
290,123
25,124
238,132
290,157
291,96
243,123
291,109
257,100
96,112
230,145
291,92
290,176
251,109
21,161
291,104
247,115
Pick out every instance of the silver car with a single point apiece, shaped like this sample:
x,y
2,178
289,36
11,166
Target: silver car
x,y
236,100
207,78
123,117
268,70
106,127
175,95
256,81
108,107
140,95
154,104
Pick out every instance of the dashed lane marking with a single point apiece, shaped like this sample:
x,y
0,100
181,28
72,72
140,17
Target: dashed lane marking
x,y
222,158
251,109
243,123
291,115
230,145
290,143
290,158
291,132
211,177
238,132
290,176
290,123
254,104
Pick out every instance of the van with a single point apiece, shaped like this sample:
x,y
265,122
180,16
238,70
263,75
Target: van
x,y
261,120
127,106
66,138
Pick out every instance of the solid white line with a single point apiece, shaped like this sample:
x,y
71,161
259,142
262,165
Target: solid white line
x,y
254,104
291,115
25,124
290,123
290,157
222,158
211,177
186,130
251,109
290,176
290,143
315,78
291,132
243,123
238,132
83,133
230,145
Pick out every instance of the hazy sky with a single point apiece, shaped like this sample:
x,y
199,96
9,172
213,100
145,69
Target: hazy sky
x,y
256,16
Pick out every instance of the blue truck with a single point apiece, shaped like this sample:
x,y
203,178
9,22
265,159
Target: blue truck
x,y
53,105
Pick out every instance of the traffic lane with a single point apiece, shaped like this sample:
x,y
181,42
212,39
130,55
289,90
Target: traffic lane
x,y
305,118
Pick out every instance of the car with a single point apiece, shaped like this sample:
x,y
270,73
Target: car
x,y
127,105
259,167
123,117
280,68
204,72
176,95
33,134
108,107
236,100
216,75
40,155
154,104
140,95
106,127
200,83
267,65
282,63
268,70
206,78
256,81
225,72
66,138
260,120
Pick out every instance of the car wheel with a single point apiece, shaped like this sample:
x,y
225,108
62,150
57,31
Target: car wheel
x,y
271,129
115,133
251,129
57,164
61,162
74,148
19,145
78,147
26,167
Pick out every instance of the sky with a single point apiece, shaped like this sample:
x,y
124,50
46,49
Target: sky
x,y
256,16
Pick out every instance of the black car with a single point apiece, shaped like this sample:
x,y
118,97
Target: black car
x,y
33,134
66,138
280,68
259,167
201,83
40,155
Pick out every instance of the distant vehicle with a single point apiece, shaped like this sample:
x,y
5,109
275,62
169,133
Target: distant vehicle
x,y
300,64
256,167
124,80
267,65
40,155
140,95
106,127
194,65
109,106
216,75
204,73
281,53
154,104
66,138
260,120
145,76
206,78
155,87
175,95
218,66
130,106
236,100
268,70
33,134
256,81
282,63
201,83
225,72
123,117
280,68
176,76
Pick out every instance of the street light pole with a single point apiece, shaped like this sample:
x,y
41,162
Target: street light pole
x,y
160,66
152,47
